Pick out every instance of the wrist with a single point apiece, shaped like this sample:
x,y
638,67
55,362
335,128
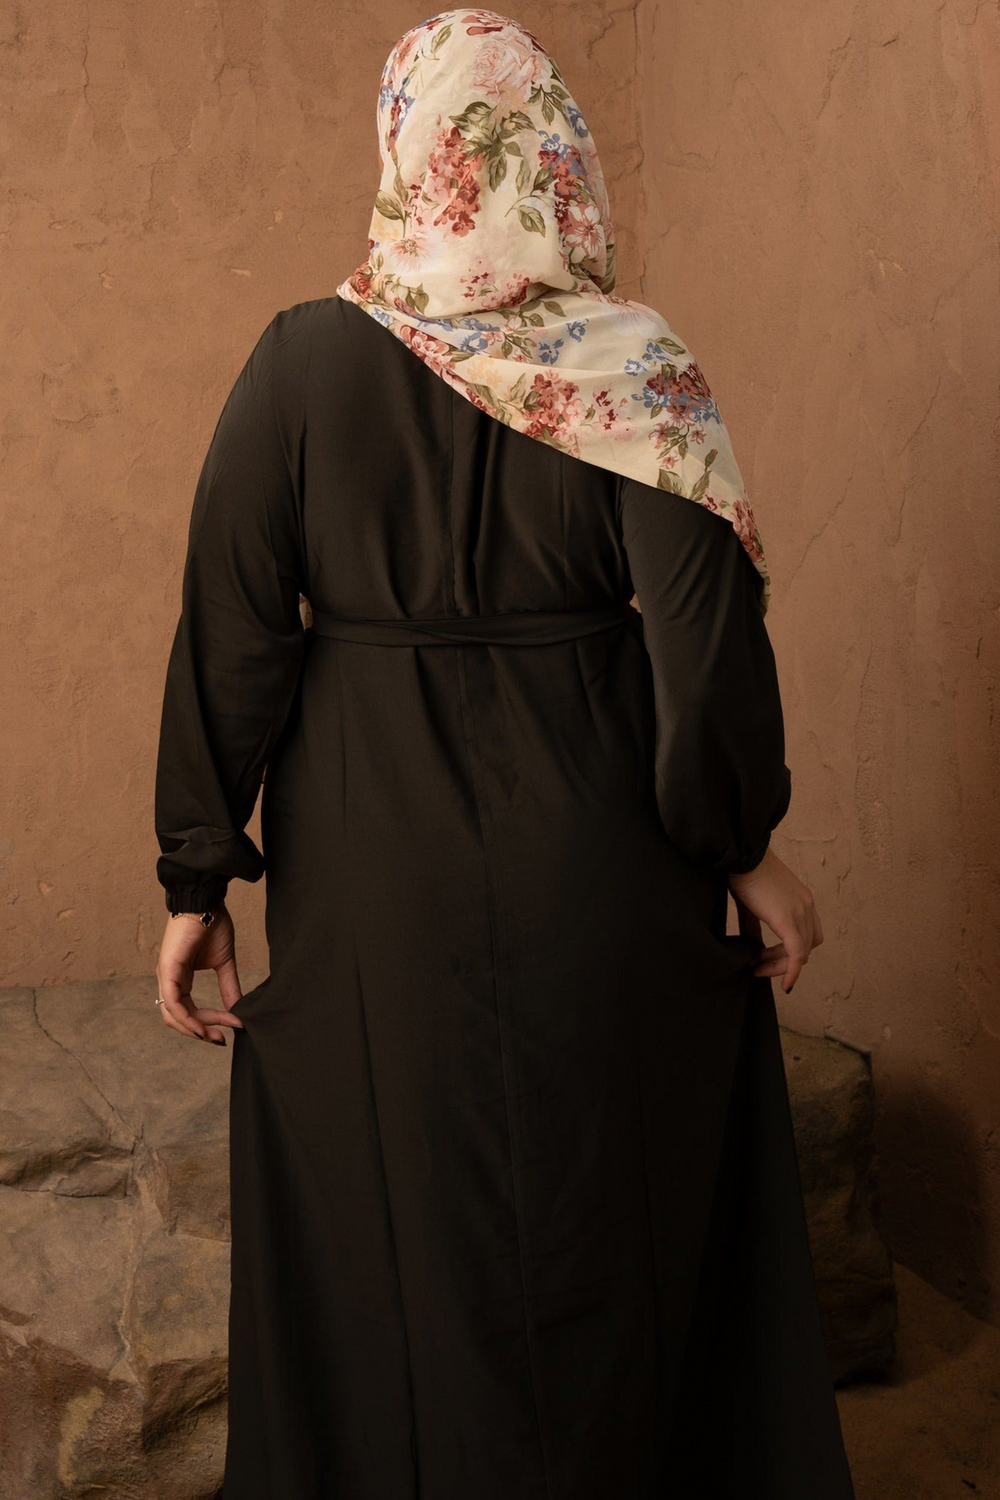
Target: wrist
x,y
205,918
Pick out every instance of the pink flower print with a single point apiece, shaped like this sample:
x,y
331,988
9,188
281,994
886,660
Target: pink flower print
x,y
362,279
479,276
553,408
746,528
490,292
434,352
400,104
507,68
512,290
566,169
452,181
739,513
606,414
582,229
689,398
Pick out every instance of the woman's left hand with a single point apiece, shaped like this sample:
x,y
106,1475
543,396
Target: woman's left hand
x,y
187,946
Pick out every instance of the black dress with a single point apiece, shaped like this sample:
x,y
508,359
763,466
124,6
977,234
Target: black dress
x,y
516,1213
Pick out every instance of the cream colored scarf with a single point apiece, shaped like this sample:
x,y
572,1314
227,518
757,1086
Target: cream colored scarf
x,y
491,254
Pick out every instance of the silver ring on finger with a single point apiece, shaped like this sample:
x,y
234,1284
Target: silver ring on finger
x,y
160,1000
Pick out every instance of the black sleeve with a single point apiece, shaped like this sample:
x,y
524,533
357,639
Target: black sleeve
x,y
237,649
721,779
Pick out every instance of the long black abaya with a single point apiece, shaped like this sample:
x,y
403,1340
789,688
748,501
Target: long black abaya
x,y
516,1213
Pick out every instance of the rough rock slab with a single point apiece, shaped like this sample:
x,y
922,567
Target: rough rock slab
x,y
833,1106
60,1134
114,1254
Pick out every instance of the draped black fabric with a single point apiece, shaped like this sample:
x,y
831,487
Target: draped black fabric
x,y
516,1212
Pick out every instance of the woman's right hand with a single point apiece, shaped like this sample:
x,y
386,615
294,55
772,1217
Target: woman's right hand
x,y
774,894
186,947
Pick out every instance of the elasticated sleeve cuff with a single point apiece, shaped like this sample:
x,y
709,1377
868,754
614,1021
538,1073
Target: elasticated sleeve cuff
x,y
198,898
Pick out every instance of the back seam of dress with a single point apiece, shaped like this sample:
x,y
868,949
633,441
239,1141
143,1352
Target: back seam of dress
x,y
390,1223
494,908
647,1199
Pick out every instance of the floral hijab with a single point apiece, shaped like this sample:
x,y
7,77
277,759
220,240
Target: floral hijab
x,y
491,254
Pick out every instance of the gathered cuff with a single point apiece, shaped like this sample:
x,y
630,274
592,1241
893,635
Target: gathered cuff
x,y
751,861
201,897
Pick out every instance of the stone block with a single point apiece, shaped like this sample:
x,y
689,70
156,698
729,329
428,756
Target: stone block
x,y
833,1107
114,1256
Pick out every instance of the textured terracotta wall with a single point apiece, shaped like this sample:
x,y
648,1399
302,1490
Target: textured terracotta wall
x,y
819,222
812,192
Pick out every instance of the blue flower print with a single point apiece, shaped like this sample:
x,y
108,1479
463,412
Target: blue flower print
x,y
577,121
648,396
654,354
565,151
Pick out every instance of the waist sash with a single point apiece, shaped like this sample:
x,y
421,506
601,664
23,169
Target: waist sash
x,y
518,628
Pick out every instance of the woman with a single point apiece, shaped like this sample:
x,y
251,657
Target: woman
x,y
516,1213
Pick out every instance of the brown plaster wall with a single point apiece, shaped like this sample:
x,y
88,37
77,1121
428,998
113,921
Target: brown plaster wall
x,y
819,222
812,193
177,174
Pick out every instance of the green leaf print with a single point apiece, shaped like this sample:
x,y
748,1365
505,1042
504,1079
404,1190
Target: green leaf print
x,y
666,480
388,207
472,116
498,171
485,394
702,484
439,41
519,120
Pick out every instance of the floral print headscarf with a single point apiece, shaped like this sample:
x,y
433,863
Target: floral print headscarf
x,y
491,254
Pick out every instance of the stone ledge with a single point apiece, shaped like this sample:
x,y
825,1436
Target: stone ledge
x,y
114,1199
833,1107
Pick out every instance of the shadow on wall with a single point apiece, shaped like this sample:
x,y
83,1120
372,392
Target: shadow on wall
x,y
933,1192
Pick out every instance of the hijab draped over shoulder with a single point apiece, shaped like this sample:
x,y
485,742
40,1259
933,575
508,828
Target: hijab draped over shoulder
x,y
491,254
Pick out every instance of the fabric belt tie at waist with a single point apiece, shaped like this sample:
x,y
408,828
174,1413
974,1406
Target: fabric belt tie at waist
x,y
519,628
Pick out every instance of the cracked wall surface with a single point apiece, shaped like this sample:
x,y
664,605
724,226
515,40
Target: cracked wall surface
x,y
819,221
809,197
